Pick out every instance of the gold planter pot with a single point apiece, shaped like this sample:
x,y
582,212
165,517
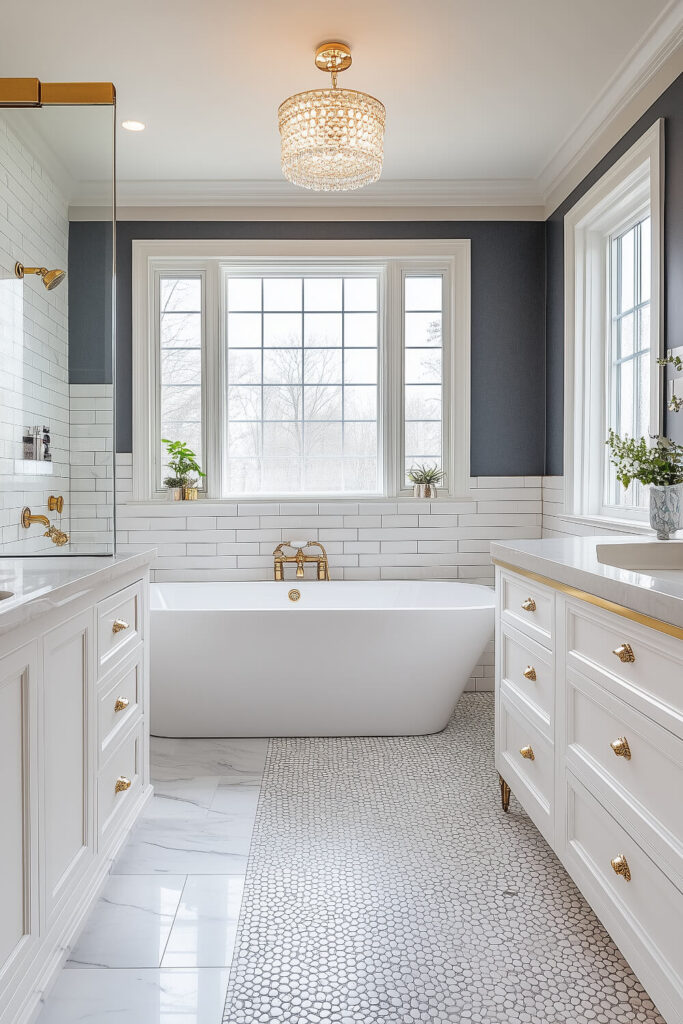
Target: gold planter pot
x,y
189,493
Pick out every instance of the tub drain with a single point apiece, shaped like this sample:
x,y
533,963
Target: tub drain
x,y
294,595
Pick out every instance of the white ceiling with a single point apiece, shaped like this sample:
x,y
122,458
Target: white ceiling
x,y
474,89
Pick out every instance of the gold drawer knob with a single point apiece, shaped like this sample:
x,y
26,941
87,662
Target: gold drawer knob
x,y
624,652
528,753
119,624
122,784
121,704
530,673
529,605
621,748
620,866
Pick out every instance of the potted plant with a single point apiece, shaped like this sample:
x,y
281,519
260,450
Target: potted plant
x,y
675,402
183,464
425,480
659,465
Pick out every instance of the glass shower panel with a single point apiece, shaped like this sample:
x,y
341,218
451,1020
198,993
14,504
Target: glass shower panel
x,y
56,330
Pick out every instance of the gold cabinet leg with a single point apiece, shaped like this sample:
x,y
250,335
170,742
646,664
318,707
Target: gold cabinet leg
x,y
504,793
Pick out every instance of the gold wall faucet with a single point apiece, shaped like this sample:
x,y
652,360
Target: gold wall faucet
x,y
56,535
280,558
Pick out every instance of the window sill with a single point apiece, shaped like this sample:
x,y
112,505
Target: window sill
x,y
608,523
157,501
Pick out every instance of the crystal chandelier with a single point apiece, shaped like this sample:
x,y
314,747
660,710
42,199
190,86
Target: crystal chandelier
x,y
332,138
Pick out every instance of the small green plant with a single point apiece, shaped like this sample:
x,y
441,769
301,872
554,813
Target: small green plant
x,y
660,463
675,403
425,475
182,463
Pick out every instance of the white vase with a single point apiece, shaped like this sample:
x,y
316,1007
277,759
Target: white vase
x,y
424,491
666,509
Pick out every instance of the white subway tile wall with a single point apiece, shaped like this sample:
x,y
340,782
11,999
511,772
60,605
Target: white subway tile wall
x,y
557,524
34,388
92,476
365,540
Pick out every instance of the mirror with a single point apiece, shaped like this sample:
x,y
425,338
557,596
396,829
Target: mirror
x,y
57,261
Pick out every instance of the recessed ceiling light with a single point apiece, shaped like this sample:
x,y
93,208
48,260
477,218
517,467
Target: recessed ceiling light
x,y
133,126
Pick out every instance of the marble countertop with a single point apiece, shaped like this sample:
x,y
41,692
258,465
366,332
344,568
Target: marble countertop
x,y
573,561
42,584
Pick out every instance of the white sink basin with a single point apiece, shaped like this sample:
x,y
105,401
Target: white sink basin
x,y
648,556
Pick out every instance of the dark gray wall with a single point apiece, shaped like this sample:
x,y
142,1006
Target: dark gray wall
x,y
669,106
90,286
508,323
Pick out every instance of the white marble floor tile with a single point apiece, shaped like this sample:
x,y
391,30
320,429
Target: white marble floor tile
x,y
203,933
218,845
136,997
130,923
186,799
239,760
230,798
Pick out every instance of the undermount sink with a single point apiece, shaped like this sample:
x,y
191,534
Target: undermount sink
x,y
5,594
648,556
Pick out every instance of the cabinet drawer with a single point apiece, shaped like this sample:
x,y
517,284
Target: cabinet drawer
x,y
119,702
643,912
119,626
528,606
530,778
644,767
124,765
592,638
528,668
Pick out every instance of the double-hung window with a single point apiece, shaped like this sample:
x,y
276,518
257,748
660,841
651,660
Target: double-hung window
x,y
302,377
613,239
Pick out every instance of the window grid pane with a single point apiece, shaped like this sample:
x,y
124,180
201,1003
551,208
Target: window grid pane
x,y
629,352
302,385
422,372
180,370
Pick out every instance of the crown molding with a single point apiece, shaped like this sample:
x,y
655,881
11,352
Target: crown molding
x,y
663,45
280,193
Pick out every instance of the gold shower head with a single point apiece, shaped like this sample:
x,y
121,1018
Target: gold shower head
x,y
50,278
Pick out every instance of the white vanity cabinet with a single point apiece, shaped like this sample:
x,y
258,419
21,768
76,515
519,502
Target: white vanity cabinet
x,y
589,738
74,770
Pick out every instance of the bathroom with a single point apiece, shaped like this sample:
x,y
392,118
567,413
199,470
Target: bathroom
x,y
341,603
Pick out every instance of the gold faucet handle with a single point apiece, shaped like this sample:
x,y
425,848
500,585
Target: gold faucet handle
x,y
55,504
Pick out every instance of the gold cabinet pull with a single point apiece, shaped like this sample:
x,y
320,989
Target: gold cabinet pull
x,y
529,605
621,748
528,753
530,673
119,624
620,866
624,652
121,704
122,784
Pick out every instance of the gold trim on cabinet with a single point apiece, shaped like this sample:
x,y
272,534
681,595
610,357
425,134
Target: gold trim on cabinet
x,y
599,602
528,753
529,605
530,673
504,793
118,625
121,704
624,652
31,92
122,784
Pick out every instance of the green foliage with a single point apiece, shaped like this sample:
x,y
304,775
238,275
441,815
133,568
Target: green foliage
x,y
675,403
425,475
660,463
182,463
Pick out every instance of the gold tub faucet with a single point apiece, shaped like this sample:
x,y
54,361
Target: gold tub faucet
x,y
280,558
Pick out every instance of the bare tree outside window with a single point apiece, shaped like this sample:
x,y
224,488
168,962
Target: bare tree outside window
x,y
180,339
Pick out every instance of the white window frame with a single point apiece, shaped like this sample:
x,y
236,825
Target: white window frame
x,y
629,190
450,257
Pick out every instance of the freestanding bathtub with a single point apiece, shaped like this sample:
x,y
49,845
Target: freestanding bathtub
x,y
345,659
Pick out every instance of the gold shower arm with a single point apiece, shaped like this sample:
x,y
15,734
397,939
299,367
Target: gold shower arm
x,y
27,518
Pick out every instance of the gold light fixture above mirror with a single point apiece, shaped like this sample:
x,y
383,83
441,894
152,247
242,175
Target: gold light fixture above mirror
x,y
332,139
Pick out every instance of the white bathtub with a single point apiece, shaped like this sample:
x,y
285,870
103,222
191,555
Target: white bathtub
x,y
346,659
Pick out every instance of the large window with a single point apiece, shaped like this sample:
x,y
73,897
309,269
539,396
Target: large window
x,y
613,239
292,377
629,356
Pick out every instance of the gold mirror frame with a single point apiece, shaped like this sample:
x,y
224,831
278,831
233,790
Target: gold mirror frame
x,y
31,92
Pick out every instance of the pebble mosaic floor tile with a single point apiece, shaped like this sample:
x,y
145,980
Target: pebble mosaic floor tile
x,y
386,886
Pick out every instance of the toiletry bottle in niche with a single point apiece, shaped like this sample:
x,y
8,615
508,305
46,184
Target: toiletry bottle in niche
x,y
29,444
47,454
38,443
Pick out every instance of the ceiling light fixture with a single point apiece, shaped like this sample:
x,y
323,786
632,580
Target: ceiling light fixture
x,y
133,126
332,139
